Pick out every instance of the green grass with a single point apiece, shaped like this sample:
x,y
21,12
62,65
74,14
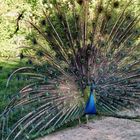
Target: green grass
x,y
6,68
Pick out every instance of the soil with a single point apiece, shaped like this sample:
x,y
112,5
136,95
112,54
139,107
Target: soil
x,y
107,128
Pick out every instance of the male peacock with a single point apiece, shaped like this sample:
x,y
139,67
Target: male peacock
x,y
80,49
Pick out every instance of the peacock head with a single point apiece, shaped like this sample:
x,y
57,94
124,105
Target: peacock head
x,y
92,86
89,88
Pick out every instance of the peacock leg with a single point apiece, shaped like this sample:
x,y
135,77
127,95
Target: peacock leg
x,y
86,126
79,121
87,119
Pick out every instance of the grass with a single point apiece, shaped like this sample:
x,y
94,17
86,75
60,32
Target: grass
x,y
7,66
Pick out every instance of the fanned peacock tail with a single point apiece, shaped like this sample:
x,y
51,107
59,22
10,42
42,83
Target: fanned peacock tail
x,y
76,43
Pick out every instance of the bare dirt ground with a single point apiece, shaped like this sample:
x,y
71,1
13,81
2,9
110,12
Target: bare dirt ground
x,y
106,129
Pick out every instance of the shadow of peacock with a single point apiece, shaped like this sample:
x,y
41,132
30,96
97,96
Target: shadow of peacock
x,y
86,61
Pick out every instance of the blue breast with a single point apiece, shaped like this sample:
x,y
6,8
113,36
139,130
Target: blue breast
x,y
90,105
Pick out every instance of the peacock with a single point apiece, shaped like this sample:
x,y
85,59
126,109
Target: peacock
x,y
84,59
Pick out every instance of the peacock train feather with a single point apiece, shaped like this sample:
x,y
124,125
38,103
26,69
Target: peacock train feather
x,y
84,58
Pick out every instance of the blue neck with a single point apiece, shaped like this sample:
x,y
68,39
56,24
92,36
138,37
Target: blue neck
x,y
90,105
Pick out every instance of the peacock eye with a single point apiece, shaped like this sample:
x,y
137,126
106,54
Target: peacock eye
x,y
115,41
88,51
40,53
29,62
129,43
98,60
93,23
136,32
34,41
128,17
116,4
100,9
77,17
43,22
108,17
80,2
60,17
82,60
21,56
105,31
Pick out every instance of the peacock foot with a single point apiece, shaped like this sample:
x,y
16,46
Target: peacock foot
x,y
86,126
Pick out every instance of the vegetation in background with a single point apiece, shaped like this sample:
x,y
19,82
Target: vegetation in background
x,y
11,10
13,32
